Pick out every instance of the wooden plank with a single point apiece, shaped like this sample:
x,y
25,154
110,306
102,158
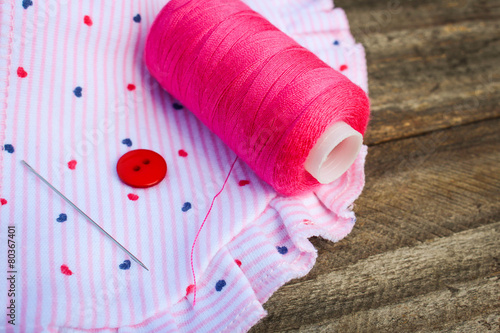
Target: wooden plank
x,y
368,16
431,65
425,286
432,78
418,189
451,309
484,323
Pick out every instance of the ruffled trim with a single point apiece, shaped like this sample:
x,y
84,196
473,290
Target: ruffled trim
x,y
261,259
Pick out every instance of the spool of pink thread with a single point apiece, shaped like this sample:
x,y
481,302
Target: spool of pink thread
x,y
293,119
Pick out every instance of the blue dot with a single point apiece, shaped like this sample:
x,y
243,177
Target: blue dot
x,y
78,91
336,42
219,285
62,218
178,106
125,265
127,142
9,148
137,18
187,206
27,3
282,249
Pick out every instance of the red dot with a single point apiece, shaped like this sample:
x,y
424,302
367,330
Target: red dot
x,y
72,164
87,20
243,182
238,262
131,87
189,289
65,270
21,72
343,68
133,196
3,201
183,153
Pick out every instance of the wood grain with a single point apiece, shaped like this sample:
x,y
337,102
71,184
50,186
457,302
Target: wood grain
x,y
483,323
431,65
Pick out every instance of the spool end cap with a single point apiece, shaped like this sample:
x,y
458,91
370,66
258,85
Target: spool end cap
x,y
334,152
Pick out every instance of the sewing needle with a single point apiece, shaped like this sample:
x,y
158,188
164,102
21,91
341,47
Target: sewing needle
x,y
85,215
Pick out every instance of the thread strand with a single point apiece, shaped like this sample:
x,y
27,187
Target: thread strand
x,y
201,227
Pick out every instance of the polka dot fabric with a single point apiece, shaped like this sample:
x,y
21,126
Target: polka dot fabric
x,y
77,96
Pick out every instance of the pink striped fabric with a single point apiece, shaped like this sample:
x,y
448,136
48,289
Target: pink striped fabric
x,y
74,88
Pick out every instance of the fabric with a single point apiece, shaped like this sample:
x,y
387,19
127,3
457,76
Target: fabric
x,y
75,97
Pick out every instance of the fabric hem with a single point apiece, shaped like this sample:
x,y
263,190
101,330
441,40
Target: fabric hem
x,y
6,30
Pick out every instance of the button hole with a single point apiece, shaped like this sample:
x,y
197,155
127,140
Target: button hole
x,y
137,168
145,162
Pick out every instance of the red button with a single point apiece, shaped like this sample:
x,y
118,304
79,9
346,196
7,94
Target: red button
x,y
141,168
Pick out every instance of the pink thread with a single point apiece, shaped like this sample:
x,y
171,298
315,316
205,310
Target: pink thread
x,y
201,226
268,98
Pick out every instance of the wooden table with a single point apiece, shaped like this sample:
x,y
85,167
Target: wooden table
x,y
425,252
